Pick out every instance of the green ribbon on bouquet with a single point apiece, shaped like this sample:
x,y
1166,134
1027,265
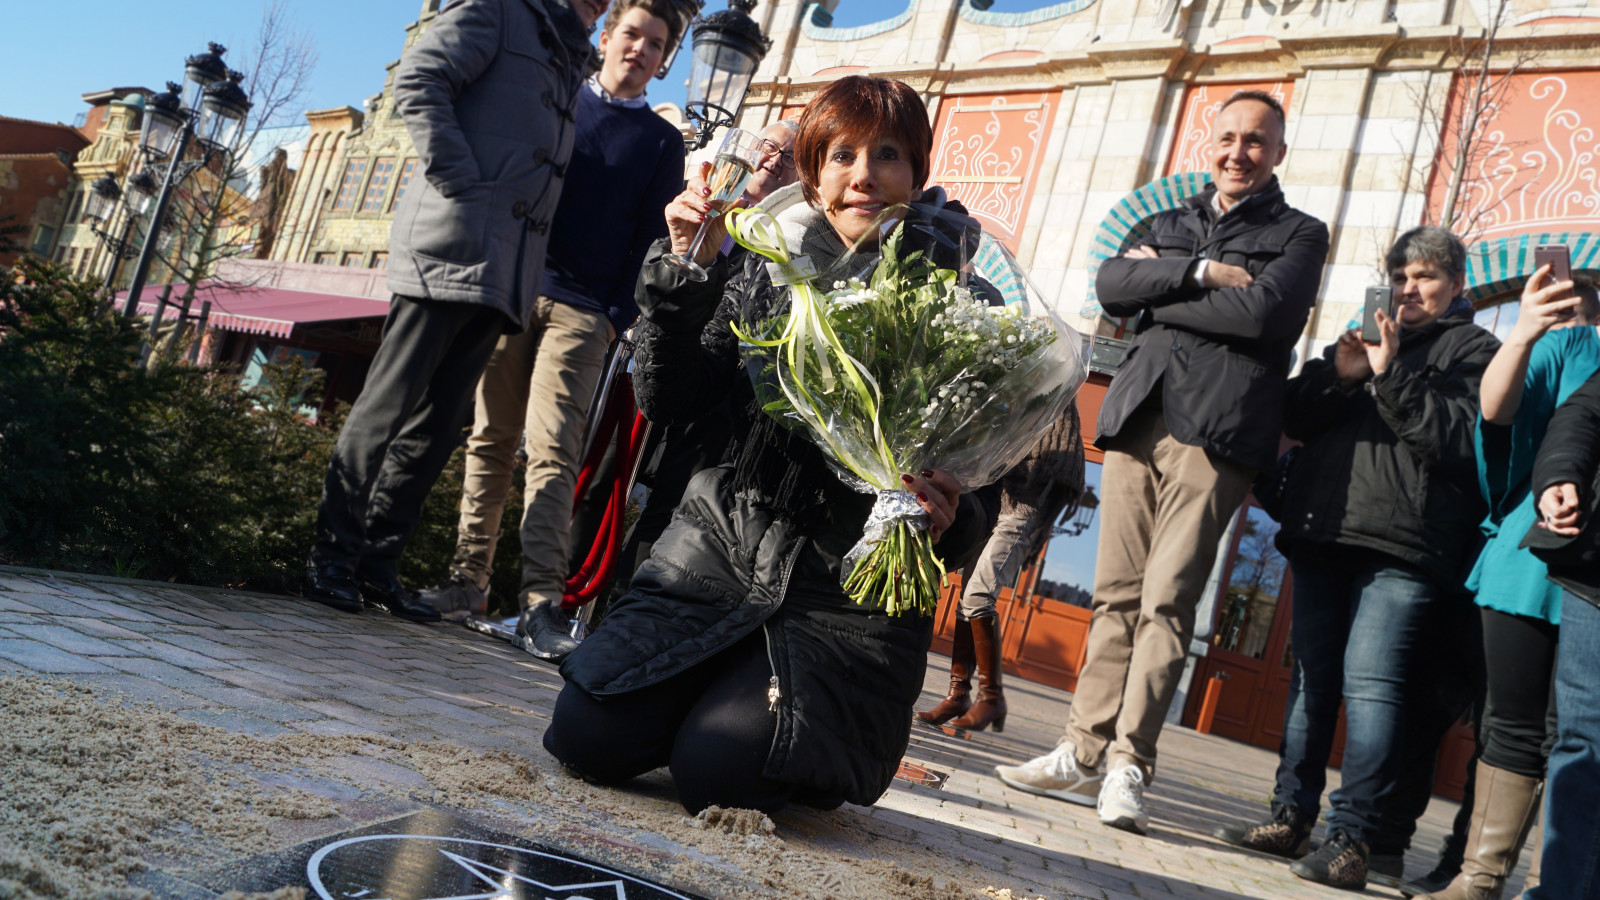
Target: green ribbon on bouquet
x,y
809,335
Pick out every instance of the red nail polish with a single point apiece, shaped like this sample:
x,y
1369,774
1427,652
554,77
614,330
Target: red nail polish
x,y
906,478
927,473
921,497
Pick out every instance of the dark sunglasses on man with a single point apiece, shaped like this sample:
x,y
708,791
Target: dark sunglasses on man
x,y
785,157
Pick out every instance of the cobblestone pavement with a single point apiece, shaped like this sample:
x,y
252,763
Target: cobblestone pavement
x,y
269,665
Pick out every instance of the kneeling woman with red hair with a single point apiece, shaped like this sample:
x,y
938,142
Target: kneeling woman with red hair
x,y
736,659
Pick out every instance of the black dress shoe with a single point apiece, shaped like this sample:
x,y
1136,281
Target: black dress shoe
x,y
331,586
397,600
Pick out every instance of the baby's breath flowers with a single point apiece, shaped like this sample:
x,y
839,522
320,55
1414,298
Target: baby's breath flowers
x,y
905,370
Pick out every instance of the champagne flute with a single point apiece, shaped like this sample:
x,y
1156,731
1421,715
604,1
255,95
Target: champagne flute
x,y
736,161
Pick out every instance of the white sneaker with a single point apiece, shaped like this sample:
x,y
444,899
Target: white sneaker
x,y
1055,774
1121,803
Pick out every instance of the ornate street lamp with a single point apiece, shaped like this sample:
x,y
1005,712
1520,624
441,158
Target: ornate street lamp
x,y
163,119
141,194
683,13
223,112
728,46
1083,517
210,106
200,72
103,197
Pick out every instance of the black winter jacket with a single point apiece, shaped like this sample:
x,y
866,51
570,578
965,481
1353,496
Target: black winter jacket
x,y
1221,355
1390,465
759,544
1571,454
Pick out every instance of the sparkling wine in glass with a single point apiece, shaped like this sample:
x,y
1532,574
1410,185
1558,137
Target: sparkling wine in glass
x,y
736,161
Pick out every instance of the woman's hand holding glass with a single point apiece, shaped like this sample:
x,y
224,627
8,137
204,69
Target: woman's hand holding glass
x,y
692,210
721,183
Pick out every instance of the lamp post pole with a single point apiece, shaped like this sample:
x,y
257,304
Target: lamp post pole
x,y
147,253
210,107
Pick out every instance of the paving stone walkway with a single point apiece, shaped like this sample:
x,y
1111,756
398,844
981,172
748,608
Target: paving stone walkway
x,y
265,666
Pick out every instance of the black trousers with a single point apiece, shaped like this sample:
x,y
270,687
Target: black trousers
x,y
1519,725
401,431
709,725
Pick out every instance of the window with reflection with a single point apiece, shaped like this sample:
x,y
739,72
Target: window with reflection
x,y
1255,583
354,171
1500,316
1068,573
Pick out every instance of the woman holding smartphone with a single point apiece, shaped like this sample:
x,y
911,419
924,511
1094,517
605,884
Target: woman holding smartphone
x,y
1550,352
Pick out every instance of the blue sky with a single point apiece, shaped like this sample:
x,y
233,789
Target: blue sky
x,y
1071,560
67,48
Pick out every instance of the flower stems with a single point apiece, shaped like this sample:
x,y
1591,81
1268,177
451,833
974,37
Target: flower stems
x,y
900,574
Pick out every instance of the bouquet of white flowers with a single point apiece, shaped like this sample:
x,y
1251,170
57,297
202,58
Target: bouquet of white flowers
x,y
937,358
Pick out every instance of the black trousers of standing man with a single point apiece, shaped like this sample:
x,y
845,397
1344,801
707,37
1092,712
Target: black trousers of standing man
x,y
401,432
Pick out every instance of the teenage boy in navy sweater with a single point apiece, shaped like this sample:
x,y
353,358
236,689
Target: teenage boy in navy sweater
x,y
627,165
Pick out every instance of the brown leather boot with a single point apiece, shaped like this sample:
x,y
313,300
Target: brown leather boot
x,y
959,700
1503,812
991,706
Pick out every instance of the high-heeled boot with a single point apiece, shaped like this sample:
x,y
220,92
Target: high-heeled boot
x,y
959,700
1503,811
990,709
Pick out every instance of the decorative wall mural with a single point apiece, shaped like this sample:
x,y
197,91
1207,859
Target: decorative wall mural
x,y
987,151
1200,105
1532,163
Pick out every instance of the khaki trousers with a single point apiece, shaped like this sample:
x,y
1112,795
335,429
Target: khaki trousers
x,y
1164,506
540,381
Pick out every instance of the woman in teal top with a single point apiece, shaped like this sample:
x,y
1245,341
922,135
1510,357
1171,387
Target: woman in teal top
x,y
1553,349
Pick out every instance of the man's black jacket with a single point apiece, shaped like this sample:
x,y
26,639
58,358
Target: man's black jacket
x,y
1571,454
1221,356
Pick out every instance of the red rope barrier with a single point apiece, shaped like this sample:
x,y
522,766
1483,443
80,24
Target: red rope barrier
x,y
601,560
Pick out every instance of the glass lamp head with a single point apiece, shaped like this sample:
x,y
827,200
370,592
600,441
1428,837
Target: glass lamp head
x,y
728,46
103,197
142,190
223,112
163,117
202,71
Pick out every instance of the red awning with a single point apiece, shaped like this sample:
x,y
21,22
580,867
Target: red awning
x,y
265,310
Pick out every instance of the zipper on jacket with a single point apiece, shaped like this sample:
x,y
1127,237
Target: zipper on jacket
x,y
774,693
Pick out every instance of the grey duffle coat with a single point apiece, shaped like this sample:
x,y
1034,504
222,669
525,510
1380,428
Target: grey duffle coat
x,y
487,95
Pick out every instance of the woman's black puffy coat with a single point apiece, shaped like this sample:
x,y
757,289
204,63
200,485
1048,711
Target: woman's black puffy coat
x,y
758,544
1391,466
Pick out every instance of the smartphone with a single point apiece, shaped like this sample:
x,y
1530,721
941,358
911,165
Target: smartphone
x,y
1559,259
1379,296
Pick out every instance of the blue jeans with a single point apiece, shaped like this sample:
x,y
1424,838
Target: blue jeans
x,y
1571,866
1360,618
